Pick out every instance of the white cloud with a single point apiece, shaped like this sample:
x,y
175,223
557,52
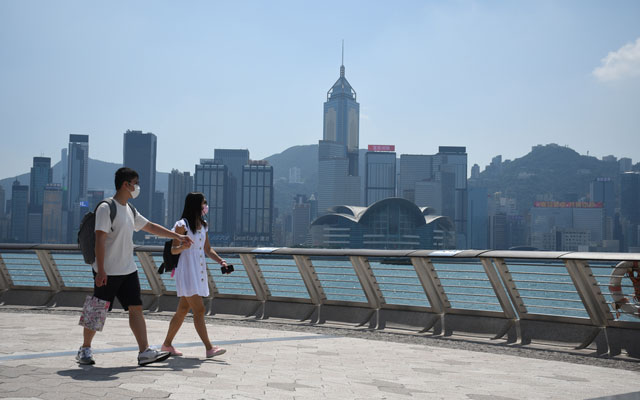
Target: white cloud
x,y
621,64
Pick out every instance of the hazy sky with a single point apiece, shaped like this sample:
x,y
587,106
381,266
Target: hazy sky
x,y
495,76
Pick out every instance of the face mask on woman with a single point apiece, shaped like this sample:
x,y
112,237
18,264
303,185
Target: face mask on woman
x,y
205,210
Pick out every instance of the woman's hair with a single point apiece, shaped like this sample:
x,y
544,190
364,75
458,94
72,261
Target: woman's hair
x,y
193,210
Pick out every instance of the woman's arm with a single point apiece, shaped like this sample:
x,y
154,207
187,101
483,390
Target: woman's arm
x,y
208,250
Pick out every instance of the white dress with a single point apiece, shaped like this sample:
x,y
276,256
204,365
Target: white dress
x,y
191,273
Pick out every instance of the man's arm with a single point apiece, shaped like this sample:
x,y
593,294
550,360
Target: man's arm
x,y
101,276
160,230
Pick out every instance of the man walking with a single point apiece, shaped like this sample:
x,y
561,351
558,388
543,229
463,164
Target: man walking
x,y
115,272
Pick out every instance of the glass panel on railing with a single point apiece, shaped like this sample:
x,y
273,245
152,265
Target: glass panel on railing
x,y
546,288
466,284
73,270
236,282
25,269
339,280
399,282
282,277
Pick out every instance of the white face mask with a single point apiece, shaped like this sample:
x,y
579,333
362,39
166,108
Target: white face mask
x,y
136,191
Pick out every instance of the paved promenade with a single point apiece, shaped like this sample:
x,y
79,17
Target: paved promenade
x,y
269,361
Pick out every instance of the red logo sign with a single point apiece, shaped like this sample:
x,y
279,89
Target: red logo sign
x,y
382,147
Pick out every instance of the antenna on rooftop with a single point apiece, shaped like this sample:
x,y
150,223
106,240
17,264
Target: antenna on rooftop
x,y
342,52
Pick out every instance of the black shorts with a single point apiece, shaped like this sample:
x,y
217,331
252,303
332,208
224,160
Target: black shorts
x,y
125,287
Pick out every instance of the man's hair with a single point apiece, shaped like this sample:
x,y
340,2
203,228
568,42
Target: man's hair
x,y
123,175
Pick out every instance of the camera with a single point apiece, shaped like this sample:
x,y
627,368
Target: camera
x,y
227,270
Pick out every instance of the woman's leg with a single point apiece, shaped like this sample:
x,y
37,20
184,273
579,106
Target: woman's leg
x,y
197,307
176,321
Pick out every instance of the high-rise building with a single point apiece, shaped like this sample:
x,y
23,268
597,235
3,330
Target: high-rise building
x,y
77,181
257,205
41,176
625,164
211,179
630,208
78,171
475,171
300,221
380,173
234,160
413,168
140,155
52,214
550,217
158,214
453,159
478,218
341,122
95,197
338,178
2,201
602,191
180,184
295,175
19,212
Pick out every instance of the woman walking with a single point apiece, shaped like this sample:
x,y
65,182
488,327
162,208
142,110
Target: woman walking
x,y
191,276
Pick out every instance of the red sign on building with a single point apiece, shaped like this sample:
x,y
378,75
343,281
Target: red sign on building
x,y
382,147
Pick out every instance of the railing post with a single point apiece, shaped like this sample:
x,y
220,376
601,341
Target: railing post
x,y
151,271
503,298
260,287
432,287
509,284
368,281
310,279
50,270
589,292
6,282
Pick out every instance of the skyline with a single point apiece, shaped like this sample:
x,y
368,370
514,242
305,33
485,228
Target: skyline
x,y
494,77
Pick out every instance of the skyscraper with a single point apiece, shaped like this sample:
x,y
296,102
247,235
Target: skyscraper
x,y
52,214
478,229
180,184
78,171
300,220
602,191
211,179
140,155
19,212
454,159
413,168
380,174
234,160
342,119
339,182
41,176
77,181
257,205
2,201
630,208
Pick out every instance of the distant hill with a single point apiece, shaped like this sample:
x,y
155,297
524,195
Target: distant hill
x,y
557,172
100,177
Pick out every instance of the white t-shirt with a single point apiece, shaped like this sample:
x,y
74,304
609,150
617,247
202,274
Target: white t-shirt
x,y
118,257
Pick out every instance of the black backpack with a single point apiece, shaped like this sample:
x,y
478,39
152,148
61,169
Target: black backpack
x,y
169,261
86,231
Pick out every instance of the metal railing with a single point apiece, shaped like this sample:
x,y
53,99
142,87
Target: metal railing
x,y
514,287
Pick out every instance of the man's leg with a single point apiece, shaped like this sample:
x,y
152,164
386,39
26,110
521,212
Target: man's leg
x,y
138,326
88,335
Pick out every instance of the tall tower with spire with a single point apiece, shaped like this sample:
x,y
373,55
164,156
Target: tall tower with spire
x,y
338,180
342,118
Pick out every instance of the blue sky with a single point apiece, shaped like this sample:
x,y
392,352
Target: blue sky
x,y
495,76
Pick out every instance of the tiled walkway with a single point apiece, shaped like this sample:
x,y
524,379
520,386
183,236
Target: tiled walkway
x,y
37,361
